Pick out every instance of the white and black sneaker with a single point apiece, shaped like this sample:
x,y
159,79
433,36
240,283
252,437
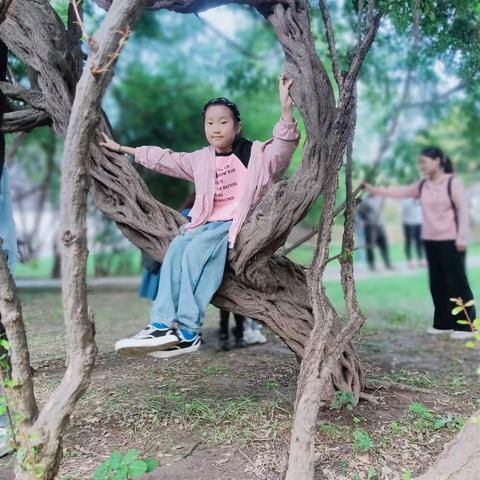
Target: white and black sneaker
x,y
184,346
148,340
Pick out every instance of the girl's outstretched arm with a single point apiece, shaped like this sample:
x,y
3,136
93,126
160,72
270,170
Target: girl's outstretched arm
x,y
162,160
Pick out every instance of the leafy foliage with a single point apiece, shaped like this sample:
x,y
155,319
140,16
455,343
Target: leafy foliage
x,y
362,440
124,467
343,399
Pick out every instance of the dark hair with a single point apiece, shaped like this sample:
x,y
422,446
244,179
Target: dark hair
x,y
226,103
435,152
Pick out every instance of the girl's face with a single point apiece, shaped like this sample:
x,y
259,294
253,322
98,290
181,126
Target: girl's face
x,y
221,128
429,166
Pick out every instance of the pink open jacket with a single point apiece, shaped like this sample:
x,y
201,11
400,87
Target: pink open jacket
x,y
268,162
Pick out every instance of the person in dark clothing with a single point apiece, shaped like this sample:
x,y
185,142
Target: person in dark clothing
x,y
370,211
223,334
150,277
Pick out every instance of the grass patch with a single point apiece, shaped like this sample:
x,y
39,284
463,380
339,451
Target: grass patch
x,y
414,379
269,385
232,420
396,301
216,370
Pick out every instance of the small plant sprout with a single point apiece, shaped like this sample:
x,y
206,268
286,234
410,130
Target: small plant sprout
x,y
474,324
362,440
124,467
474,327
343,399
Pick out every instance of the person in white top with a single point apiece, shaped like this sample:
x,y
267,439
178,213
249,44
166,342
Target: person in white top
x,y
412,226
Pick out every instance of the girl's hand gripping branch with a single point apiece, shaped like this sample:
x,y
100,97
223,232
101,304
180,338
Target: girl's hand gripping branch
x,y
113,146
286,101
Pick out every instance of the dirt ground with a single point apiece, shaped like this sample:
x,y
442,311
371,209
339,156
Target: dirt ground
x,y
226,415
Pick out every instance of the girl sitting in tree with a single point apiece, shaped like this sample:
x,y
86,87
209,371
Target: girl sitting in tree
x,y
230,175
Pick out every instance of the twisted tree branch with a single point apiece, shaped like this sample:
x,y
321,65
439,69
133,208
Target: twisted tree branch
x,y
331,42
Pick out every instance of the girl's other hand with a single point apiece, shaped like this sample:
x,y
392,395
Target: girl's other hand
x,y
286,101
109,143
461,248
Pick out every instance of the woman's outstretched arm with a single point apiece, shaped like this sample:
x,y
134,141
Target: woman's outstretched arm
x,y
395,191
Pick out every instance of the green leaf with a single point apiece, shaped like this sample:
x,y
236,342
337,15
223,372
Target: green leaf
x,y
470,303
478,371
101,471
442,422
362,440
122,473
476,323
462,322
408,475
38,471
151,464
115,459
372,474
470,344
130,456
420,410
457,310
137,468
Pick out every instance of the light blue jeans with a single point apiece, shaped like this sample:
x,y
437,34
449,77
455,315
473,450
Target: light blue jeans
x,y
191,273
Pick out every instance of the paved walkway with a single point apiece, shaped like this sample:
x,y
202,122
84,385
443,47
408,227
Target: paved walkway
x,y
132,283
116,283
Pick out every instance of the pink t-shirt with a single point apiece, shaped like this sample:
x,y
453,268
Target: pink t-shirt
x,y
230,181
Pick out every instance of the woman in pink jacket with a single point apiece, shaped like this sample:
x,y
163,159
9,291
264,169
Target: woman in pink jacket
x,y
444,233
231,174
